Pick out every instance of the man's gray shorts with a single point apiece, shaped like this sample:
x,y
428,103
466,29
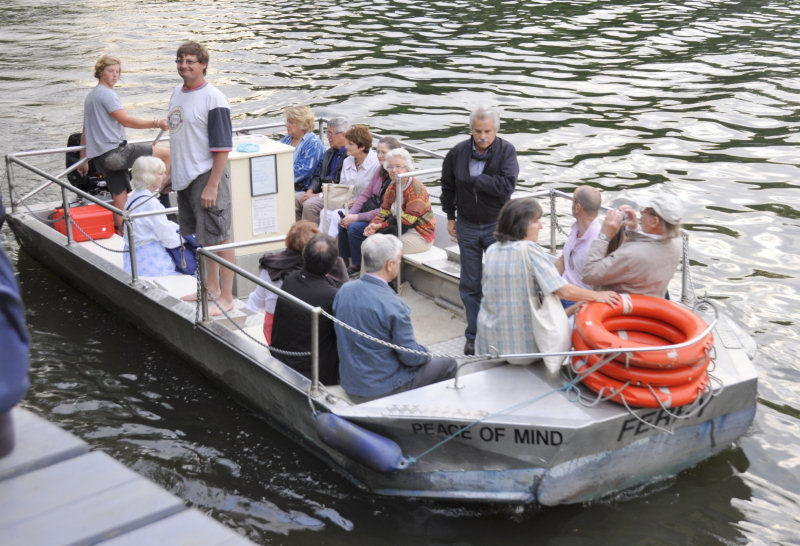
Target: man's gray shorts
x,y
209,226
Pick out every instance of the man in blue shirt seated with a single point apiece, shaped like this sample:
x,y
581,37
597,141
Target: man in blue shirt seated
x,y
369,369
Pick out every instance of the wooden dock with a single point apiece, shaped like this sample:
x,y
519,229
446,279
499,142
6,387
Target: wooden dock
x,y
55,490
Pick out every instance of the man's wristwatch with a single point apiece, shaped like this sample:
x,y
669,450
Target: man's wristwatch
x,y
602,236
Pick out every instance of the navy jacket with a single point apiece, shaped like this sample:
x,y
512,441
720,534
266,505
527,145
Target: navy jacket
x,y
478,199
291,327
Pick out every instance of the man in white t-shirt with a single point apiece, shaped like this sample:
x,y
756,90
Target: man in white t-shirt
x,y
586,202
201,138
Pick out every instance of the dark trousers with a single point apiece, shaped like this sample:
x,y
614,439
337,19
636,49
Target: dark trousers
x,y
436,369
350,240
473,240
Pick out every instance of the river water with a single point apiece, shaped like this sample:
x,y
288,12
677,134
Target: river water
x,y
699,96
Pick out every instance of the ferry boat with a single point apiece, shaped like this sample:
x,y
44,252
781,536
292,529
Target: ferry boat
x,y
497,433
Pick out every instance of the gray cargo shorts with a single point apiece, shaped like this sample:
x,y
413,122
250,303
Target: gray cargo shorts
x,y
209,226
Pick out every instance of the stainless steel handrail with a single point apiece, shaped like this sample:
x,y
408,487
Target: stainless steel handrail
x,y
65,186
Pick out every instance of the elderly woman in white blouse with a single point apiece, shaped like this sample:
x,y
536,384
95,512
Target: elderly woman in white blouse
x,y
153,235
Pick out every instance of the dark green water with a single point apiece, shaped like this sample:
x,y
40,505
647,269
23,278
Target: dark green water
x,y
702,97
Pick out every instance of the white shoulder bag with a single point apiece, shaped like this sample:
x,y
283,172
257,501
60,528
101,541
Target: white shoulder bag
x,y
551,328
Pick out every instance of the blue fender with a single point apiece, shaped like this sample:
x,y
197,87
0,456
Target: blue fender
x,y
363,446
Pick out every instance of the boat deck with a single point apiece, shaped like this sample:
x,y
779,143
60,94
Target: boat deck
x,y
434,322
55,490
437,323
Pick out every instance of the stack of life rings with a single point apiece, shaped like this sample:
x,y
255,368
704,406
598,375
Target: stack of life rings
x,y
648,379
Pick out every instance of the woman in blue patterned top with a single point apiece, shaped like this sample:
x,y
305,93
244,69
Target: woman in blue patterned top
x,y
308,148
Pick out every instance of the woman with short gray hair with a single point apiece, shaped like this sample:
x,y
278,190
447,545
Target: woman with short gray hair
x,y
415,215
365,208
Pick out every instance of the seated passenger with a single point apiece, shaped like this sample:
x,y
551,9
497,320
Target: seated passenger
x,y
308,148
646,259
585,206
358,170
365,208
274,267
361,163
291,330
419,223
309,204
153,235
505,320
369,369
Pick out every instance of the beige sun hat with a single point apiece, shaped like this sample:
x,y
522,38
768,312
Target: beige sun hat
x,y
667,206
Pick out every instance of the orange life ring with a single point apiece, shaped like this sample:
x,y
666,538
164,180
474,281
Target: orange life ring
x,y
667,333
590,325
644,397
639,376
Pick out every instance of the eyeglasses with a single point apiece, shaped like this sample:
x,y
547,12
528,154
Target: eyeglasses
x,y
396,167
186,61
649,211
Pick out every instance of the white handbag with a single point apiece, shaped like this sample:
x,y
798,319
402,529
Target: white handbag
x,y
334,196
551,329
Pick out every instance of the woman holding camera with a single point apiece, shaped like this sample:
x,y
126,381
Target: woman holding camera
x,y
649,253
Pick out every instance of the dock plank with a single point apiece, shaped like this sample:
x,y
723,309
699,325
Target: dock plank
x,y
54,490
80,500
38,444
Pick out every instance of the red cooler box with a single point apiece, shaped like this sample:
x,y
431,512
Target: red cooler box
x,y
96,221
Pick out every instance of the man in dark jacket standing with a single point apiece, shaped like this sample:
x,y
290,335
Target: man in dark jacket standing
x,y
478,177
